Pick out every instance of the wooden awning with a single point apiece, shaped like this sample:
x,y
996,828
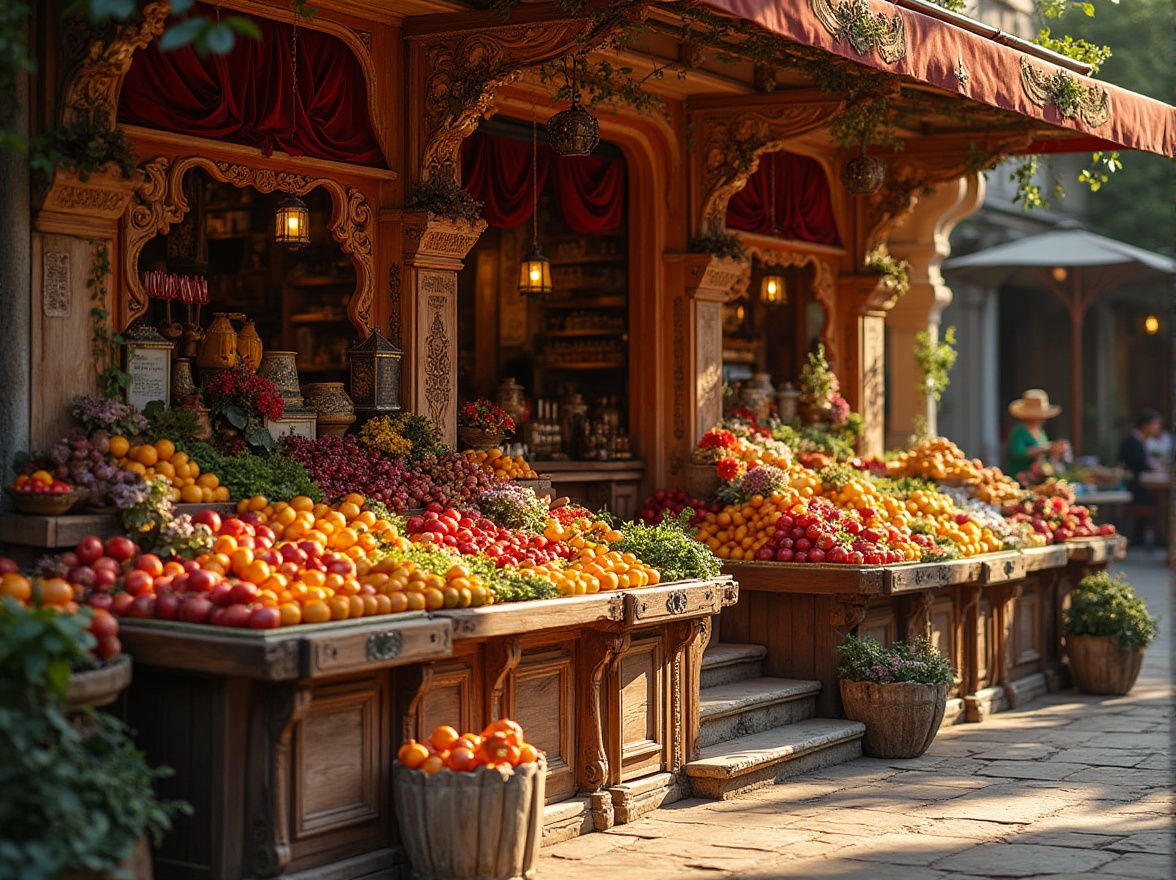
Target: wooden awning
x,y
919,40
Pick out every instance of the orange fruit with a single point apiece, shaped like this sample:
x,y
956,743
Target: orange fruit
x,y
147,456
462,760
340,607
398,601
528,754
291,614
444,737
349,509
316,612
208,481
191,495
164,449
383,604
412,754
511,730
17,586
56,591
432,764
119,446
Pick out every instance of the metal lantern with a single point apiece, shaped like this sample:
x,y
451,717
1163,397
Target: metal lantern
x,y
863,175
375,376
148,361
535,274
772,290
292,223
573,132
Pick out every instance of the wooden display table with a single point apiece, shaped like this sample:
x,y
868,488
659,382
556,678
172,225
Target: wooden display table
x,y
998,617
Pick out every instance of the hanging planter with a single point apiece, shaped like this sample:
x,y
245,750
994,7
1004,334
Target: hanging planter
x,y
863,175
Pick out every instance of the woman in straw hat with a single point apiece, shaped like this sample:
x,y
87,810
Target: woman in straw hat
x,y
1028,441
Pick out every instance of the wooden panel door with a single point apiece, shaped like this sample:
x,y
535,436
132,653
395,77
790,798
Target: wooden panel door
x,y
544,703
943,635
880,624
454,697
984,643
1026,648
641,683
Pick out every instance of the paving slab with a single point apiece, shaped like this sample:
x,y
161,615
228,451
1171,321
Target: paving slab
x,y
1108,755
1023,860
1053,770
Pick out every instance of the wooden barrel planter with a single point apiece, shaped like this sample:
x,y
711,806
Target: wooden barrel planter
x,y
484,825
1100,666
901,719
101,686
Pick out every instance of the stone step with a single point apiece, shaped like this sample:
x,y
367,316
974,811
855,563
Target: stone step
x,y
725,663
740,708
728,769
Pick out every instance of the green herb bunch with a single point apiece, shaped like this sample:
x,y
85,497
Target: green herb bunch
x,y
1102,605
670,548
914,661
246,474
519,587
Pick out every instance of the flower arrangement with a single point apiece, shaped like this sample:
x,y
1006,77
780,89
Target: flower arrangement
x,y
730,468
715,444
97,413
402,435
483,414
514,507
818,382
764,480
914,661
240,402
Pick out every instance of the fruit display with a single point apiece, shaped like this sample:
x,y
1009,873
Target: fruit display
x,y
505,467
469,534
40,483
502,744
86,463
162,459
1056,516
674,502
937,458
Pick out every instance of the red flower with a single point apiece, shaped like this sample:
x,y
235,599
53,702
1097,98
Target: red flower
x,y
717,438
729,468
483,414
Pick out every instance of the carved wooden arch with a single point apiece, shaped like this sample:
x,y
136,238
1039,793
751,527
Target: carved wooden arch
x,y
95,82
159,203
733,143
824,282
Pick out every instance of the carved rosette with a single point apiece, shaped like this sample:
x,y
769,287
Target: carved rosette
x,y
160,202
732,145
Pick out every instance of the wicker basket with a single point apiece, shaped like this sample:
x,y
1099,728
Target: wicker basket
x,y
901,719
480,438
701,481
46,503
1100,666
484,825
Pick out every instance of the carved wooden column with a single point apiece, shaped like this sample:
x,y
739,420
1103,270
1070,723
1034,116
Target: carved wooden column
x,y
709,279
434,248
862,303
922,240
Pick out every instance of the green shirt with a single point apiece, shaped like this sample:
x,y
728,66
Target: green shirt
x,y
1021,440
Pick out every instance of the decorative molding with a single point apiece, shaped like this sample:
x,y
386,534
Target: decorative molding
x,y
849,610
72,207
438,360
732,144
1091,104
271,851
394,325
851,21
605,648
679,369
160,202
433,236
512,653
824,283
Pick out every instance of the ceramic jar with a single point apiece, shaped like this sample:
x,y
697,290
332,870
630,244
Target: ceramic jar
x,y
786,402
335,411
184,392
510,398
757,395
249,346
219,348
281,368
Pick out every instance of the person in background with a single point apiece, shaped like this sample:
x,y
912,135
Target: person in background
x,y
1159,449
1028,441
1134,457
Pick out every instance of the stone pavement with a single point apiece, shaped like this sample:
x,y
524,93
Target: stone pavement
x,y
1070,787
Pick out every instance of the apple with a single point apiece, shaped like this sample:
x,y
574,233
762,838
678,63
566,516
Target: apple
x,y
195,609
219,594
209,518
69,559
167,606
103,624
143,607
108,647
181,583
121,549
266,534
104,601
149,563
104,579
82,576
121,603
237,615
107,563
265,617
201,581
247,541
138,582
190,565
292,553
243,593
89,549
270,557
233,527
312,549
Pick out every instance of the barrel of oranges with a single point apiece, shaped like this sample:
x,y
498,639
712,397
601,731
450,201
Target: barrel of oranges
x,y
495,779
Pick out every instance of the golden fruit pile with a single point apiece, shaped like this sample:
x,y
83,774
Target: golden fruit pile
x,y
509,467
939,459
160,459
502,745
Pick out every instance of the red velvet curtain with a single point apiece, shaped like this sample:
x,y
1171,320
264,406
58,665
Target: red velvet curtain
x,y
247,97
590,191
804,206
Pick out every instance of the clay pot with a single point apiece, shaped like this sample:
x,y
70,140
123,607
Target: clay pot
x,y
510,399
101,686
183,385
249,346
757,395
1100,666
901,719
281,368
332,406
219,348
811,414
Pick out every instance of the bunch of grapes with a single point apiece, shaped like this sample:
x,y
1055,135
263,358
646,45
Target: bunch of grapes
x,y
86,462
342,465
452,479
674,501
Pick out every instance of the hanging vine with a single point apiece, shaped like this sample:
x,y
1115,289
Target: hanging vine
x,y
104,342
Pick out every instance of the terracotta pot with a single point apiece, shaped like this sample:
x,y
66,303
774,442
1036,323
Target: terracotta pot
x,y
901,719
485,825
479,438
101,686
334,410
1100,666
701,480
510,399
219,348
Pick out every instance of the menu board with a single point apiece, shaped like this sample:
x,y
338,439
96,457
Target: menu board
x,y
150,370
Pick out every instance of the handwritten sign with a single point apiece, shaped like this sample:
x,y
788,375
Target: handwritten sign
x,y
55,269
150,370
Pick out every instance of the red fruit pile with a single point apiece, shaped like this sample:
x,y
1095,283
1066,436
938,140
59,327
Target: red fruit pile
x,y
470,534
826,534
1056,517
674,501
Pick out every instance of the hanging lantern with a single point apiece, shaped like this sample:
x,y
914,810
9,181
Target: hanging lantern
x,y
292,224
863,175
535,273
772,290
1152,325
575,131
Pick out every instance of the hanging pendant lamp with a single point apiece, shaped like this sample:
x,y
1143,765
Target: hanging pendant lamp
x,y
575,131
535,268
773,292
292,221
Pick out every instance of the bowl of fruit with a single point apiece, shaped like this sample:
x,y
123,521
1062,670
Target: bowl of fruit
x,y
40,494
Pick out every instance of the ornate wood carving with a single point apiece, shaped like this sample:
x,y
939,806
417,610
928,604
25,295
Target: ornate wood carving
x,y
511,651
692,638
161,202
848,612
843,20
1092,106
394,326
412,713
604,649
271,825
440,238
918,613
438,360
732,144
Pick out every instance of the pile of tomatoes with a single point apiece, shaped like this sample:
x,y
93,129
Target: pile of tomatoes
x,y
501,745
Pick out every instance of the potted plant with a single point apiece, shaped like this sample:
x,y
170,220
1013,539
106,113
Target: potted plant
x,y
819,389
482,425
899,693
239,403
1106,629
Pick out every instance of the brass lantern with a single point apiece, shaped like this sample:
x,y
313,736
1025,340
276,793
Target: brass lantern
x,y
863,175
575,131
535,273
772,290
292,223
375,376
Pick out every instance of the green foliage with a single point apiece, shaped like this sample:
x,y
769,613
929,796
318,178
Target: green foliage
x,y
951,5
1080,50
104,342
85,145
518,587
670,548
246,474
151,512
1100,169
1102,605
15,63
76,797
178,425
935,360
894,272
915,661
444,197
721,244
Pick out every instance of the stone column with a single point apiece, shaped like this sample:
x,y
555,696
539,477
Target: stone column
x,y
922,240
862,305
971,408
434,248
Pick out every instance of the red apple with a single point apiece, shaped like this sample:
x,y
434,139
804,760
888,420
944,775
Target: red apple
x,y
104,578
312,549
143,607
89,549
247,541
243,593
289,569
108,647
237,615
219,594
7,566
82,576
138,582
201,581
195,609
167,607
121,603
149,563
190,565
108,563
121,549
105,601
181,583
217,618
209,518
292,553
69,559
265,617
233,527
103,624
270,557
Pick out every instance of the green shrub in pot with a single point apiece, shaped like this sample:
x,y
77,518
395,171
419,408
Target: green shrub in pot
x,y
1102,605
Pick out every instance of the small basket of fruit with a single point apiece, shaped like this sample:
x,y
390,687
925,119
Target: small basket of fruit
x,y
496,777
42,495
